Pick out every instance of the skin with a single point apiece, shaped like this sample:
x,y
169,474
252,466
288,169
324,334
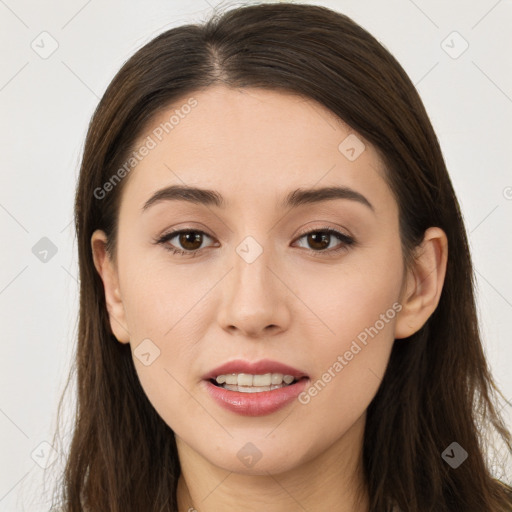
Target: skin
x,y
291,304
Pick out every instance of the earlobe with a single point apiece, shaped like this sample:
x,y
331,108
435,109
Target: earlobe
x,y
108,273
424,283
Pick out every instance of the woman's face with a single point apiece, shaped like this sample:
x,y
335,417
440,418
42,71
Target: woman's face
x,y
254,284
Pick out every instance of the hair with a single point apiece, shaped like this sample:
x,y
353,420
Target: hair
x,y
437,388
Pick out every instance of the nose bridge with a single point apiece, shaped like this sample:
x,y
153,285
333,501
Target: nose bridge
x,y
251,270
253,299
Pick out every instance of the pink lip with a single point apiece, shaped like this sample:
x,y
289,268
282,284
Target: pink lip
x,y
255,404
257,368
260,403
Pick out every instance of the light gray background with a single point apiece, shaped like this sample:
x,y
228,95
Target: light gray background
x,y
46,104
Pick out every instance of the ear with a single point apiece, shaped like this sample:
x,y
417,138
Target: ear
x,y
108,272
424,283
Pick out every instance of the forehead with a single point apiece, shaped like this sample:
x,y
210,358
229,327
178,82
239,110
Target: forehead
x,y
253,144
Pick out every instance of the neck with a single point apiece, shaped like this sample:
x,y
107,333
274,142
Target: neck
x,y
332,480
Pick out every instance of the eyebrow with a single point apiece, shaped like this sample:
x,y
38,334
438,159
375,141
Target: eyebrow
x,y
294,199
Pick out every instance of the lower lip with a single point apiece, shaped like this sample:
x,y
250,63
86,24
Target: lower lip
x,y
256,404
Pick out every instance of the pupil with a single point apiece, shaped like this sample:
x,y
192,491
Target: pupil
x,y
323,237
190,238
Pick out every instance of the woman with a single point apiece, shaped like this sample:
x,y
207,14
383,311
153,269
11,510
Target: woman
x,y
276,302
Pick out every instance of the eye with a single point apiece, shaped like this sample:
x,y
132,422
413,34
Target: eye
x,y
320,240
189,239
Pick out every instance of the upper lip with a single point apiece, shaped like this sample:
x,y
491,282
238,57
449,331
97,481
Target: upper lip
x,y
260,367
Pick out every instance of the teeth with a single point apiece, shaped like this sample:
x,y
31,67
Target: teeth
x,y
256,381
277,378
252,389
244,379
259,380
231,379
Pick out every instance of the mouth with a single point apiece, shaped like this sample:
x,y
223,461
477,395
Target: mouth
x,y
247,383
254,377
255,394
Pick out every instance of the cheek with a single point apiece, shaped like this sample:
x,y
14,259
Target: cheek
x,y
348,368
354,335
159,297
166,313
349,299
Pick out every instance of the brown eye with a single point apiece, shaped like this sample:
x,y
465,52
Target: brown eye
x,y
318,240
190,240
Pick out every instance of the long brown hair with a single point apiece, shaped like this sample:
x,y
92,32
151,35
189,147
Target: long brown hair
x,y
438,388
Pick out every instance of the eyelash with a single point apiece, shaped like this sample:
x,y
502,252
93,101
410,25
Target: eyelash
x,y
346,240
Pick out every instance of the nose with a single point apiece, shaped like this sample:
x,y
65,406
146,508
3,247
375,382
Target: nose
x,y
255,300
